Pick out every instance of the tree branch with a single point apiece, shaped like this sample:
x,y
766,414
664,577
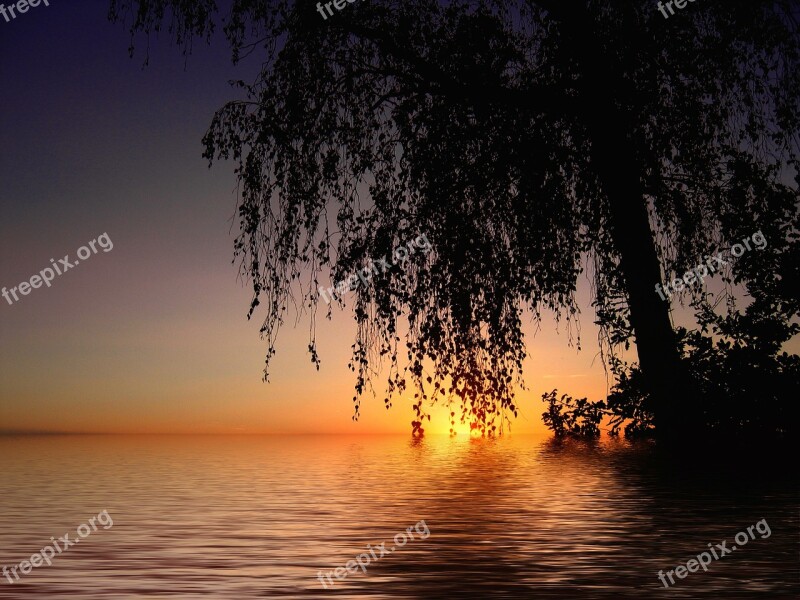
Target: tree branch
x,y
542,99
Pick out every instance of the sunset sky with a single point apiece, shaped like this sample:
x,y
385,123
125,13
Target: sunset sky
x,y
152,336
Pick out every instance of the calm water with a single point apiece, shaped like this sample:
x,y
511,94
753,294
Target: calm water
x,y
252,517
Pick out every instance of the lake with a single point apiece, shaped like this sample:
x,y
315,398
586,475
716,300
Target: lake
x,y
518,517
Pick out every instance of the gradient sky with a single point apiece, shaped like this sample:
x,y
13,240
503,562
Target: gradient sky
x,y
152,336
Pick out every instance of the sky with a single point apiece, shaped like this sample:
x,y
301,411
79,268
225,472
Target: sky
x,y
152,336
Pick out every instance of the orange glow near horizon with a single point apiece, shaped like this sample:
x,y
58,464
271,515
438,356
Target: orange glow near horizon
x,y
167,356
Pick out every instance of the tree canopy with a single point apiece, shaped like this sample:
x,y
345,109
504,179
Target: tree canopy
x,y
530,141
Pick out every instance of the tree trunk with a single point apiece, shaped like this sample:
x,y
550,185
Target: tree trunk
x,y
613,155
656,342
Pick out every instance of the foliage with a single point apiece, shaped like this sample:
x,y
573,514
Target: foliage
x,y
627,404
748,384
568,416
466,120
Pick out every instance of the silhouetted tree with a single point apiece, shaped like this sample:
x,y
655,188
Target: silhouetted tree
x,y
528,139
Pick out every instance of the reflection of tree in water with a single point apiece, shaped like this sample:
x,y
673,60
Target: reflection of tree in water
x,y
584,518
